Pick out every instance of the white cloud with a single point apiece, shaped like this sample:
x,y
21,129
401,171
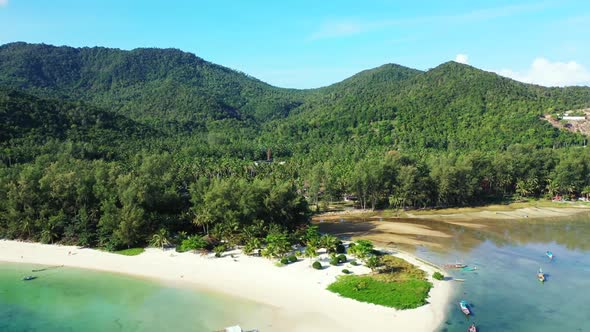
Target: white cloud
x,y
547,73
3,3
462,58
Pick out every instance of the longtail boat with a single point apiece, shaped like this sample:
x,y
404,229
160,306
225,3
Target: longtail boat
x,y
464,307
549,254
472,328
541,275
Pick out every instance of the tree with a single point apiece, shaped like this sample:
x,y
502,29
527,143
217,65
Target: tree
x,y
361,249
311,251
277,244
160,239
329,242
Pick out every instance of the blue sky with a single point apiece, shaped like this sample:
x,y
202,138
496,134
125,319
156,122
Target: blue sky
x,y
315,43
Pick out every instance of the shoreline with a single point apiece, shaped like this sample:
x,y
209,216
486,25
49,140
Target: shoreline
x,y
297,291
513,211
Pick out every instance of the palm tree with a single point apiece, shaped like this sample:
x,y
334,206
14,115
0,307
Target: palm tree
x,y
586,192
329,242
203,219
160,239
311,252
48,235
552,188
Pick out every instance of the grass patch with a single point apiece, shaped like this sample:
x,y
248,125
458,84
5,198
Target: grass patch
x,y
400,295
399,285
130,252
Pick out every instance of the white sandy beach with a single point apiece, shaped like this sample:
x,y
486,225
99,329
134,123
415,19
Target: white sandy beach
x,y
296,290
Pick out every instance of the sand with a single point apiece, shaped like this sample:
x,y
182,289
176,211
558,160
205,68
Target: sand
x,y
494,214
296,290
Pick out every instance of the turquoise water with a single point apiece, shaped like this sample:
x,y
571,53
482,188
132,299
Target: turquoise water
x,y
67,299
504,292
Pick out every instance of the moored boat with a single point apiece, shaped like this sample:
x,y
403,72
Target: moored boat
x,y
464,307
455,266
472,328
549,254
541,275
236,328
27,278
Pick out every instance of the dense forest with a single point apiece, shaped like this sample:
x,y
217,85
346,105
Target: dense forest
x,y
111,148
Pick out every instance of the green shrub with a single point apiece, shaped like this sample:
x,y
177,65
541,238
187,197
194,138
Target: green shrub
x,y
292,259
219,250
438,276
284,261
373,262
346,271
354,263
342,259
317,265
252,245
340,248
194,242
334,260
362,248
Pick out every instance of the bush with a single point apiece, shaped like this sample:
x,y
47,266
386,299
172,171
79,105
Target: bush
x,y
373,262
284,261
292,259
438,276
334,260
346,271
194,242
342,259
354,263
219,250
340,248
252,245
317,265
361,249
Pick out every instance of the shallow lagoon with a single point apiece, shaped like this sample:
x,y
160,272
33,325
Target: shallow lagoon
x,y
504,292
68,299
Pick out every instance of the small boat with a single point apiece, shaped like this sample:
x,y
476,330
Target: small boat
x,y
464,307
456,266
27,278
541,275
549,254
469,268
472,328
236,328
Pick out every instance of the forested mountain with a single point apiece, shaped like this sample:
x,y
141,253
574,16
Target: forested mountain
x,y
150,85
452,106
105,147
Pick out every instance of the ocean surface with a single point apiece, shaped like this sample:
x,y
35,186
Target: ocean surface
x,y
68,299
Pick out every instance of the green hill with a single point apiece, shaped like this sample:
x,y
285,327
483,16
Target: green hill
x,y
158,86
114,148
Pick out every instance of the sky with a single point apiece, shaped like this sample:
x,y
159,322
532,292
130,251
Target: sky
x,y
308,44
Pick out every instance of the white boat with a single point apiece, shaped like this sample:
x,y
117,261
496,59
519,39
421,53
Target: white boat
x,y
236,328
